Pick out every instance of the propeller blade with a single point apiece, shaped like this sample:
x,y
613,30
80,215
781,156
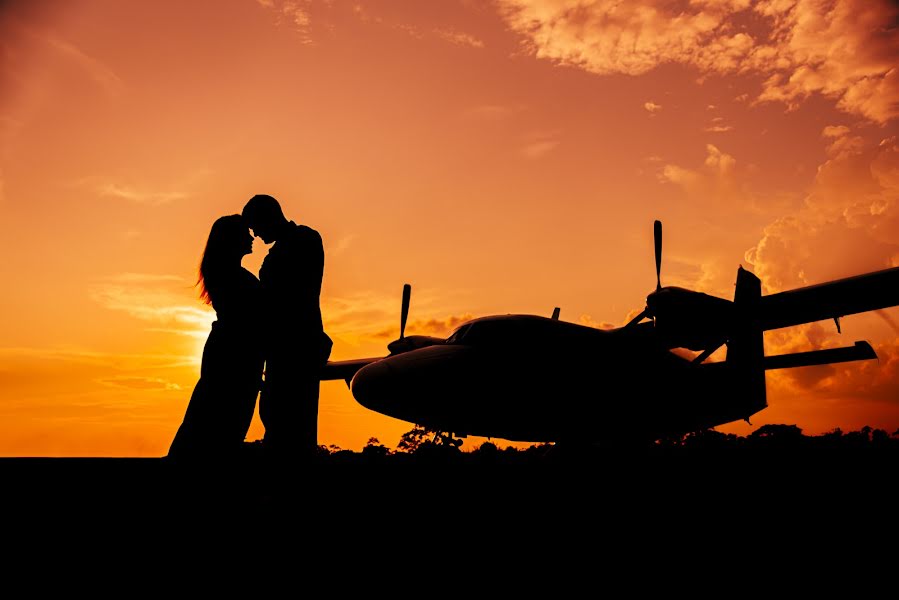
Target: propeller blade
x,y
657,234
407,293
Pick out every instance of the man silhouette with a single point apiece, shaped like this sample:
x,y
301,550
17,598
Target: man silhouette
x,y
296,346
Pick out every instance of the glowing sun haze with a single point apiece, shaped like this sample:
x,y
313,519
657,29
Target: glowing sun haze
x,y
505,156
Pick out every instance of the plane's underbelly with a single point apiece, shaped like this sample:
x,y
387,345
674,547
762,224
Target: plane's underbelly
x,y
539,397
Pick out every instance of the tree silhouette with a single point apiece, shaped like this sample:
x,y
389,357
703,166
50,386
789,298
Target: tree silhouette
x,y
413,439
374,448
418,437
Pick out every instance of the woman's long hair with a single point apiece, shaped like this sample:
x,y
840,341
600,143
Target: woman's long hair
x,y
222,247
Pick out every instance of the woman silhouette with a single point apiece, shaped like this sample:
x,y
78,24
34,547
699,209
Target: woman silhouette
x,y
222,403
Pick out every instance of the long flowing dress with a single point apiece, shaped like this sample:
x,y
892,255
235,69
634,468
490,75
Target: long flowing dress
x,y
223,401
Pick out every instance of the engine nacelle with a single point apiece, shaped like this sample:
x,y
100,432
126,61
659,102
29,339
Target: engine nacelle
x,y
688,319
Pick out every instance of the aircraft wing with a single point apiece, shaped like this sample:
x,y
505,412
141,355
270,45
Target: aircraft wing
x,y
345,369
838,298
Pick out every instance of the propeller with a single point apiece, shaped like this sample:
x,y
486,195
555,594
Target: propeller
x,y
402,343
657,235
657,238
413,342
407,294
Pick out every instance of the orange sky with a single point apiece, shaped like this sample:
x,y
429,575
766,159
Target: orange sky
x,y
505,156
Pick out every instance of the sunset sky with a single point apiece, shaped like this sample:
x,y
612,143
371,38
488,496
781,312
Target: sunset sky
x,y
503,156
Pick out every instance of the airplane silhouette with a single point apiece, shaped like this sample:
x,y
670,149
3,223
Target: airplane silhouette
x,y
531,378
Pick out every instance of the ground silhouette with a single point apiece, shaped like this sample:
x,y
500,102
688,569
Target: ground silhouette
x,y
777,485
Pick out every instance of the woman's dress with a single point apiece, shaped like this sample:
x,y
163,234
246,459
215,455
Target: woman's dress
x,y
223,401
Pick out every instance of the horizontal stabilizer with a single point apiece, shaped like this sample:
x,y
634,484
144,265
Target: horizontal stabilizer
x,y
860,351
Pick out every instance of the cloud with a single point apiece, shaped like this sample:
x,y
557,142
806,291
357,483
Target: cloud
x,y
718,128
459,38
491,112
296,14
85,356
888,320
341,246
868,380
717,171
652,107
847,224
841,145
140,383
835,131
158,299
101,74
147,278
679,175
539,144
139,196
365,317
589,321
608,37
843,49
731,210
539,148
433,327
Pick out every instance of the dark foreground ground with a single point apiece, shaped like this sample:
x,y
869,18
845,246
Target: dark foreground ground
x,y
645,516
712,486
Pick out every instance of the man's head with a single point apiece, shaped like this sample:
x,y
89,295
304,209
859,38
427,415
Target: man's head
x,y
264,216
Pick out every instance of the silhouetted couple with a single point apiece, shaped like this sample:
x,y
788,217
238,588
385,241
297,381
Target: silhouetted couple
x,y
267,335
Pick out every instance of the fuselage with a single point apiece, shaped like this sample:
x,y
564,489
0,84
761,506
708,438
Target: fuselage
x,y
535,379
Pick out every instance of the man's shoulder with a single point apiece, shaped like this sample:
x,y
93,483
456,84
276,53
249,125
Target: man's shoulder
x,y
304,233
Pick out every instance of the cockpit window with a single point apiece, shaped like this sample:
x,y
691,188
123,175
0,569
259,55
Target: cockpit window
x,y
504,332
522,333
456,336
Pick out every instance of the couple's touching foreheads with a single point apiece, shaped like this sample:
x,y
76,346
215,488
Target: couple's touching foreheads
x,y
267,339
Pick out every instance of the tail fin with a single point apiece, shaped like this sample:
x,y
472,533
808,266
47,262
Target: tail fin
x,y
746,346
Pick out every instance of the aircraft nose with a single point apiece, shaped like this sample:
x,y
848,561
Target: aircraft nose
x,y
372,385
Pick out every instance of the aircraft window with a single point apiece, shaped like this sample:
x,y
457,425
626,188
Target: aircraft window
x,y
456,336
508,333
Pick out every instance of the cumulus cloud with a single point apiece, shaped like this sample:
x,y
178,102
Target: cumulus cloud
x,y
843,49
367,317
589,321
433,327
717,171
872,380
848,223
652,107
607,37
733,210
835,131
